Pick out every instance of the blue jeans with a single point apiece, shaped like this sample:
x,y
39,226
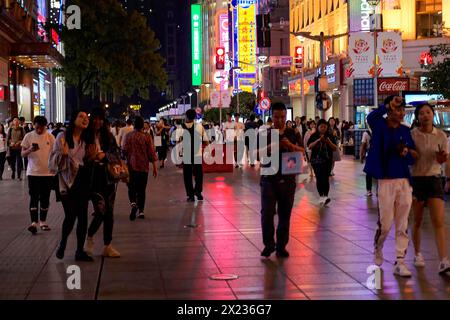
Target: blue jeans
x,y
277,197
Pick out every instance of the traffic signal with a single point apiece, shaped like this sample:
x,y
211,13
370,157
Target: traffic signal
x,y
298,61
263,30
220,58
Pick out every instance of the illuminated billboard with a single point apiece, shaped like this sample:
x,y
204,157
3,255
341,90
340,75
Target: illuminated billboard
x,y
244,16
196,32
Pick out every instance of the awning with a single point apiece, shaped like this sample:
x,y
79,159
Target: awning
x,y
36,55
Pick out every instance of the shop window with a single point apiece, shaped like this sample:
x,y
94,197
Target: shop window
x,y
429,18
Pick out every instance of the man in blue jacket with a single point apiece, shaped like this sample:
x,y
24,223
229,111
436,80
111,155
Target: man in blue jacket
x,y
392,152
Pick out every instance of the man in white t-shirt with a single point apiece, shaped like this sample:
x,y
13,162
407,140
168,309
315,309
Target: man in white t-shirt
x,y
124,131
37,146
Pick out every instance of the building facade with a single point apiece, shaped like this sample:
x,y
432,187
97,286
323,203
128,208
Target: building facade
x,y
27,56
421,23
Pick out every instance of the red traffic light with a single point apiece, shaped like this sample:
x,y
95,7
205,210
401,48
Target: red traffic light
x,y
220,58
220,51
299,57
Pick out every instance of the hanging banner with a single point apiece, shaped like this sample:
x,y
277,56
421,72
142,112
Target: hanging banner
x,y
361,55
389,50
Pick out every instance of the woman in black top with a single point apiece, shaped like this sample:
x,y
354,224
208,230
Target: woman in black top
x,y
162,129
103,145
322,144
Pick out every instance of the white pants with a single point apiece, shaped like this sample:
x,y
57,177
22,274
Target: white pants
x,y
394,203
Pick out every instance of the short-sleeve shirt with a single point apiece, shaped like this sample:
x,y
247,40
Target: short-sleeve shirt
x,y
427,144
38,160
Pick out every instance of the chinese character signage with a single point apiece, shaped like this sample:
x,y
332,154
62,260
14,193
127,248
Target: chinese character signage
x,y
224,42
196,44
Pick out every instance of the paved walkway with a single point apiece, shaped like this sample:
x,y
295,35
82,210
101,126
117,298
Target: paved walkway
x,y
162,259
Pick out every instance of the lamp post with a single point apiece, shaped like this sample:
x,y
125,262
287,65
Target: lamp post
x,y
302,91
374,4
184,103
197,90
207,84
190,98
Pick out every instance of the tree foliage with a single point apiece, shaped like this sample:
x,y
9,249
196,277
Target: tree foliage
x,y
439,71
114,50
246,108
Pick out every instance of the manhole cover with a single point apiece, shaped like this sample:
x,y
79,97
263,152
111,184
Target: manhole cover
x,y
224,276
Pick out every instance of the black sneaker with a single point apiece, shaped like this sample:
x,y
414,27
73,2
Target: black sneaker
x,y
282,253
83,256
327,201
13,176
141,215
267,252
190,199
60,252
199,197
32,229
133,213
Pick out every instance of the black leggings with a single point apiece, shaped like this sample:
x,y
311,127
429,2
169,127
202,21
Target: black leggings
x,y
103,199
322,172
75,204
39,190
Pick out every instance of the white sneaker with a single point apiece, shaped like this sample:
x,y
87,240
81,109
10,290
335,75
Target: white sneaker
x,y
369,194
326,201
444,266
378,258
419,261
89,246
401,270
321,201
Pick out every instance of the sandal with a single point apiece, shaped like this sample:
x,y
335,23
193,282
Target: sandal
x,y
45,228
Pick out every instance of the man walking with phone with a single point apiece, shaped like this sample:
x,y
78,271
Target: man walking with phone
x,y
37,146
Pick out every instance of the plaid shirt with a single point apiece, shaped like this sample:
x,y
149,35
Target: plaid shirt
x,y
140,151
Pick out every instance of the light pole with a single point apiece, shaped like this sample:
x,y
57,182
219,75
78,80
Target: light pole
x,y
184,104
237,89
197,90
207,84
323,82
374,4
190,98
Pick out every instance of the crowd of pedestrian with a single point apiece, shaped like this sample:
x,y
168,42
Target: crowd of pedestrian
x,y
85,160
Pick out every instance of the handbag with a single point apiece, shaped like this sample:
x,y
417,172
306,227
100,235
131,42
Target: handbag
x,y
117,168
158,141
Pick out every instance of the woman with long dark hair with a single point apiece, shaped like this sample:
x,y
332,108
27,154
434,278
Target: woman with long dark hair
x,y
322,145
431,145
336,134
3,149
68,159
100,138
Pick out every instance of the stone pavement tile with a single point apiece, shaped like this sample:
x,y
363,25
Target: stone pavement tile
x,y
333,278
193,284
244,262
143,288
50,288
193,272
318,269
361,258
75,295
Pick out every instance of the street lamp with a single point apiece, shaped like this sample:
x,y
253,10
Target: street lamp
x,y
197,90
374,4
190,98
184,104
237,89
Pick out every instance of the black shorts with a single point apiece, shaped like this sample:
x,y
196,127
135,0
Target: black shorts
x,y
425,188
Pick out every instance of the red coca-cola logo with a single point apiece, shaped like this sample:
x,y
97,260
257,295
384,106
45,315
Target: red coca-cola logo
x,y
394,85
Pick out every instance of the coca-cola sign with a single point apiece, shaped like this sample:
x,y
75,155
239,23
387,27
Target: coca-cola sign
x,y
392,85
